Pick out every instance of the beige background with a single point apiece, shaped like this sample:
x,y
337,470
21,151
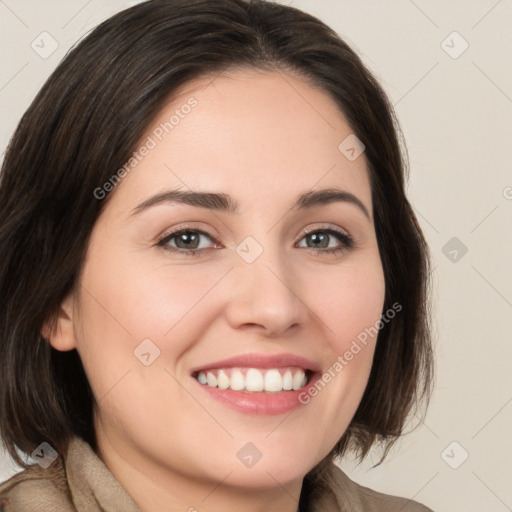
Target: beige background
x,y
456,110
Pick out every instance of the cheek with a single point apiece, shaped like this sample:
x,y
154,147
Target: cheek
x,y
165,300
349,301
124,303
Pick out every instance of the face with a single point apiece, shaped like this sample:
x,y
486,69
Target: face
x,y
216,330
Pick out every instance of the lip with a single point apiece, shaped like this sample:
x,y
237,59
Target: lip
x,y
260,403
261,361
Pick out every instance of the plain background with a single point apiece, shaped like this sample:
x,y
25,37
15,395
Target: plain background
x,y
455,107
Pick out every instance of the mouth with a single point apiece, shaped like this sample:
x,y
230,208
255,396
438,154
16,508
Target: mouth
x,y
255,380
258,384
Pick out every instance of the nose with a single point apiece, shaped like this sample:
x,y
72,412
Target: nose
x,y
265,295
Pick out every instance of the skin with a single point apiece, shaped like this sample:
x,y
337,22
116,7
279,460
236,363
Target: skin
x,y
263,138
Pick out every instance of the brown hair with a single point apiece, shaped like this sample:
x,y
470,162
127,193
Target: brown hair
x,y
85,123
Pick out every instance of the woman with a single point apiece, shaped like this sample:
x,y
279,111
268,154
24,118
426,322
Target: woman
x,y
213,281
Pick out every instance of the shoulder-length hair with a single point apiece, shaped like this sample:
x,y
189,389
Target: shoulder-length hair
x,y
84,125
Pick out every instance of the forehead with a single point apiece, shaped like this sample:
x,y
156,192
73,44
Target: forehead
x,y
255,135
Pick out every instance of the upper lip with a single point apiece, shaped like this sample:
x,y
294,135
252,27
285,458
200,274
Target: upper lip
x,y
261,361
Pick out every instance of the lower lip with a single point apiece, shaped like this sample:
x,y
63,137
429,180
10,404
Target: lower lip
x,y
270,404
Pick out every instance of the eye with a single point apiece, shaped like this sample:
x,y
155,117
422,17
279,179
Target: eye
x,y
327,240
186,241
190,241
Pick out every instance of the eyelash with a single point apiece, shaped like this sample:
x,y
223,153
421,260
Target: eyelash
x,y
347,242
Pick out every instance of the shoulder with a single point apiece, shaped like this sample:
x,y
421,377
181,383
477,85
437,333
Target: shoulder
x,y
36,488
360,498
76,481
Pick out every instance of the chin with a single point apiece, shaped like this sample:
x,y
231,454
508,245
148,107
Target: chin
x,y
266,463
264,476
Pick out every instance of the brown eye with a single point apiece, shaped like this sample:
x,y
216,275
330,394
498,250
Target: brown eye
x,y
186,241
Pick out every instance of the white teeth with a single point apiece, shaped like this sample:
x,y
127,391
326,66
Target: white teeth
x,y
287,380
297,380
254,380
237,381
222,380
273,381
211,380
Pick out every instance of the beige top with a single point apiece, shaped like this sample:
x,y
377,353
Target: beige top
x,y
84,484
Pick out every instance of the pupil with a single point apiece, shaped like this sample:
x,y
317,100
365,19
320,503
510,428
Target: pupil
x,y
188,239
319,239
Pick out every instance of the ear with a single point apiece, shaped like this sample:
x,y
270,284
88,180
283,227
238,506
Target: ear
x,y
60,331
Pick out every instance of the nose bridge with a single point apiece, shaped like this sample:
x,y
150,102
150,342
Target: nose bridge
x,y
265,288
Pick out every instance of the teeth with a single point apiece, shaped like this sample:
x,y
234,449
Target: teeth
x,y
273,381
298,381
254,380
222,380
237,381
211,380
287,380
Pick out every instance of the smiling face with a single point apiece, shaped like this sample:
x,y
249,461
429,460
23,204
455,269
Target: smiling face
x,y
236,260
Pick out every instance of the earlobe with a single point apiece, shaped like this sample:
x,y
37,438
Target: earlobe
x,y
60,331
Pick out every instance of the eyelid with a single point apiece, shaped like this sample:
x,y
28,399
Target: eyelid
x,y
174,231
324,227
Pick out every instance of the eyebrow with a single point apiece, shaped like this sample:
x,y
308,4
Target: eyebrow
x,y
225,203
